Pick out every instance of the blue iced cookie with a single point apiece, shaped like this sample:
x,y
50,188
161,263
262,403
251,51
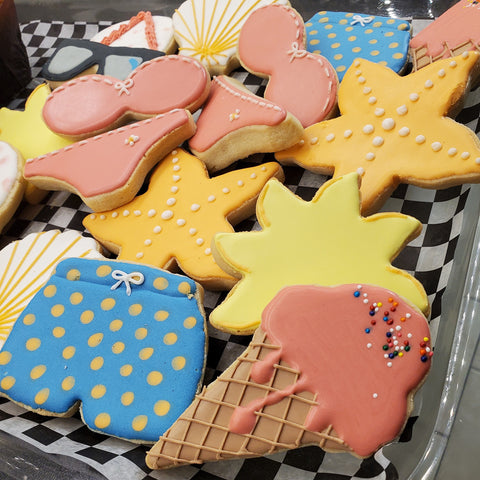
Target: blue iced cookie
x,y
341,37
122,341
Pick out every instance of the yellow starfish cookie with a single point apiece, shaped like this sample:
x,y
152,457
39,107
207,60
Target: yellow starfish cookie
x,y
395,130
322,242
173,223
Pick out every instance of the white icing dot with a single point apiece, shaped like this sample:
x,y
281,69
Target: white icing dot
x,y
420,139
313,140
436,146
409,335
347,133
192,231
378,141
389,364
139,255
465,155
176,168
211,198
385,355
441,73
114,214
301,142
359,287
368,129
372,100
367,90
157,229
181,222
152,213
195,207
147,242
428,84
357,63
477,160
358,73
137,213
199,241
102,217
465,55
174,189
176,178
253,176
174,159
388,124
398,328
361,80
240,183
402,110
167,214
225,190
370,156
453,64
452,151
93,216
360,171
171,201
413,97
369,345
408,315
365,300
174,152
264,168
404,131
330,137
208,251
375,395
379,112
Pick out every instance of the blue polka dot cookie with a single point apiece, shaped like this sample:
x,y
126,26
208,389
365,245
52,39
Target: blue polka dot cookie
x,y
342,37
123,341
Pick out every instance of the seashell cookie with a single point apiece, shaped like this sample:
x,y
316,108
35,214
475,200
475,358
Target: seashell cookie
x,y
342,37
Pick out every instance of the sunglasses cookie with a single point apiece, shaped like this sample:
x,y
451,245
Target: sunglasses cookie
x,y
173,223
333,366
124,343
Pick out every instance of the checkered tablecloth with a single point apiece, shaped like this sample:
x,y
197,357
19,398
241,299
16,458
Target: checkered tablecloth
x,y
429,258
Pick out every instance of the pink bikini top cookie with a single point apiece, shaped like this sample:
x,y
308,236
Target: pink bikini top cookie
x,y
93,103
272,44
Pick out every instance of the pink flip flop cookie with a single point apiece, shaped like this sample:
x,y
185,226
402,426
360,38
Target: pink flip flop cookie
x,y
108,170
235,123
272,45
92,104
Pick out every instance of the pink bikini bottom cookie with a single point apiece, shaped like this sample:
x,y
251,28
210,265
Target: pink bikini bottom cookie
x,y
124,342
335,367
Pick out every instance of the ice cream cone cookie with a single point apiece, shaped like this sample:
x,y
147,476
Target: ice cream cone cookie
x,y
172,224
272,45
325,242
454,32
330,366
107,170
92,104
396,130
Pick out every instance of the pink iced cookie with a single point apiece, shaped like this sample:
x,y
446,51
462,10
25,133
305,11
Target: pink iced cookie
x,y
92,104
108,170
272,45
235,123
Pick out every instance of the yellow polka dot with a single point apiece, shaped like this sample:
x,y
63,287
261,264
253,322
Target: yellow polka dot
x,y
368,31
116,325
141,333
348,15
349,29
145,353
315,41
377,24
95,340
338,56
389,34
184,288
135,309
118,347
170,338
33,344
317,52
328,27
103,271
343,22
73,274
98,391
383,62
308,24
76,298
352,38
189,322
127,398
160,283
5,357
58,332
29,319
161,408
86,316
373,41
374,53
107,304
154,378
97,363
68,383
390,21
402,26
139,423
161,315
37,372
178,363
102,420
68,352
393,45
126,370
397,56
356,49
42,396
57,310
335,45
323,20
7,383
50,291
341,68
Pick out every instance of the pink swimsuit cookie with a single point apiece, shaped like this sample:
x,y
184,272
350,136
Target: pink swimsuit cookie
x,y
272,45
235,123
92,104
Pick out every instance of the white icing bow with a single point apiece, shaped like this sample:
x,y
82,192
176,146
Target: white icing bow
x,y
361,20
296,52
124,86
136,278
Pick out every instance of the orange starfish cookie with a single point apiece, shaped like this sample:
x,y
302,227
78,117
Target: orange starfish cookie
x,y
173,223
395,130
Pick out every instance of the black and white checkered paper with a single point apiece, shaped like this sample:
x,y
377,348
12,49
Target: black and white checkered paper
x,y
429,257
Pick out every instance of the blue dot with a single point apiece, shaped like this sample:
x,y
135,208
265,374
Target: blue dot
x,y
367,330
372,313
356,294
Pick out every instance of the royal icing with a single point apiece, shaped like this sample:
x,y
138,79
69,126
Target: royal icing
x,y
454,32
175,220
342,37
126,341
100,168
271,44
10,168
92,103
363,390
325,241
26,265
208,30
144,30
227,119
74,56
397,128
